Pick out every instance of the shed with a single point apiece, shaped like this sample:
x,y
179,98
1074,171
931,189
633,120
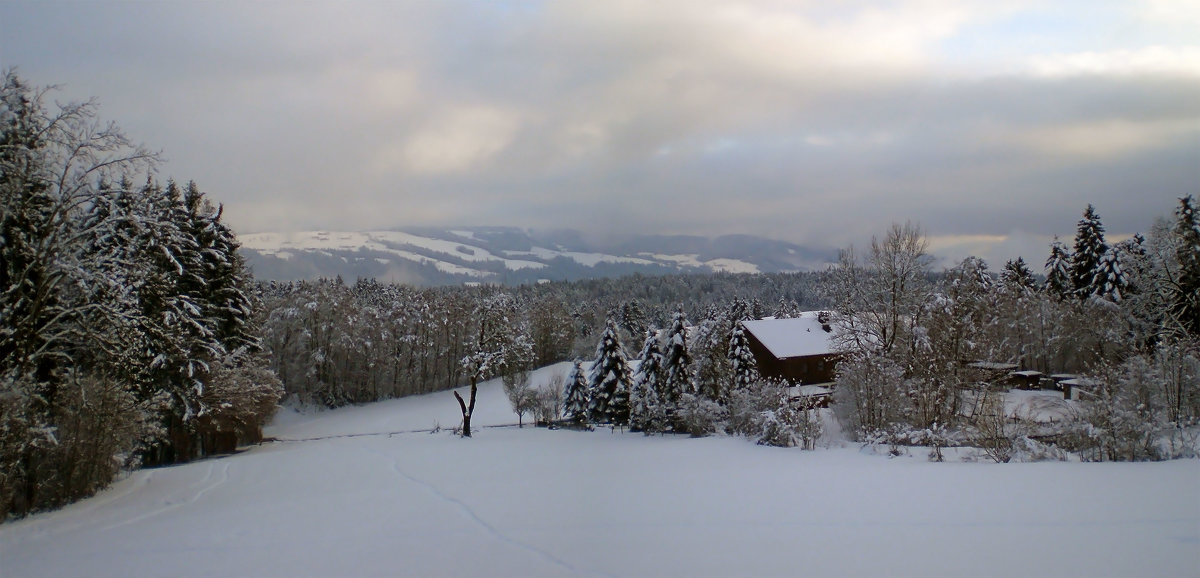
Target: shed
x,y
1026,379
795,350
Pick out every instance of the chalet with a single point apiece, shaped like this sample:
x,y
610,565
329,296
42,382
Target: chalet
x,y
799,351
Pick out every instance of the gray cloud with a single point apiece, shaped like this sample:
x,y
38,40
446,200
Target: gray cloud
x,y
814,124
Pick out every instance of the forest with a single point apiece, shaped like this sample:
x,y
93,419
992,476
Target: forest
x,y
127,336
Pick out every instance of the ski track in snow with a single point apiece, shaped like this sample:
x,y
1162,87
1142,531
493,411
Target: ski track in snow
x,y
172,503
44,526
470,514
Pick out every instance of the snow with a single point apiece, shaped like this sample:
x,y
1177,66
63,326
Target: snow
x,y
718,265
585,259
284,246
796,337
732,266
383,242
1038,406
358,499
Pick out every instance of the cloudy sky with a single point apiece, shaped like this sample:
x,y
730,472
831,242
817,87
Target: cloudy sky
x,y
992,123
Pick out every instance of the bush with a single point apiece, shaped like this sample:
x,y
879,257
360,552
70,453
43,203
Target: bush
x,y
697,415
790,424
747,406
547,407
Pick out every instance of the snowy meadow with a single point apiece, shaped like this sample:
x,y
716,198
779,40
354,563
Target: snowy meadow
x,y
361,491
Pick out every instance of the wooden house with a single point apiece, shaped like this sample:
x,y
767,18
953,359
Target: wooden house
x,y
799,350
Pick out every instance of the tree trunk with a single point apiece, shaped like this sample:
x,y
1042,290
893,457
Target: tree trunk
x,y
467,410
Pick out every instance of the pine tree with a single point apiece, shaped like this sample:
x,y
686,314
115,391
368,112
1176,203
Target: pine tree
x,y
745,367
1110,280
610,380
1186,294
576,403
633,317
1090,249
1058,271
646,412
677,362
218,277
1017,275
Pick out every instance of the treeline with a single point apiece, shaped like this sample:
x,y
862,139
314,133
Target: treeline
x,y
126,314
1125,315
333,343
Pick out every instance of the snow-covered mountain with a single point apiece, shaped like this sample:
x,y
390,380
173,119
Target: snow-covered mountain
x,y
509,255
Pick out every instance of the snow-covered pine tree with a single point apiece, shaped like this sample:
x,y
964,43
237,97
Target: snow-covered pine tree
x,y
218,277
786,309
1058,271
576,402
633,318
1110,283
1090,248
610,380
709,347
745,367
646,412
677,361
1186,232
1017,276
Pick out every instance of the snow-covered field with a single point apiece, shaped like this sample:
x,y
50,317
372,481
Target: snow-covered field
x,y
356,499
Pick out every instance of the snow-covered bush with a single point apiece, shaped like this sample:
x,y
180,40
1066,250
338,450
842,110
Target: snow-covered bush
x,y
870,395
242,395
521,395
698,415
747,406
787,423
547,407
993,433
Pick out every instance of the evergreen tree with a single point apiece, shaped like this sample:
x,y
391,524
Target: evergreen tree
x,y
1017,275
645,409
218,277
1058,271
1186,294
1090,249
786,309
1110,281
576,402
677,361
633,317
610,380
745,367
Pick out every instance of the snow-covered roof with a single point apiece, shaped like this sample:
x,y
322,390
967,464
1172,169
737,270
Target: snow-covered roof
x,y
796,337
1027,373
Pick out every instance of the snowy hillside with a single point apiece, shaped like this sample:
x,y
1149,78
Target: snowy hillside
x,y
359,492
506,255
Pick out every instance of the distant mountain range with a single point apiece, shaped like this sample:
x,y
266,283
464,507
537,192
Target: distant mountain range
x,y
509,255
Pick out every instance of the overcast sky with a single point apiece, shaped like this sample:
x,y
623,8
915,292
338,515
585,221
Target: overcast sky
x,y
993,124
